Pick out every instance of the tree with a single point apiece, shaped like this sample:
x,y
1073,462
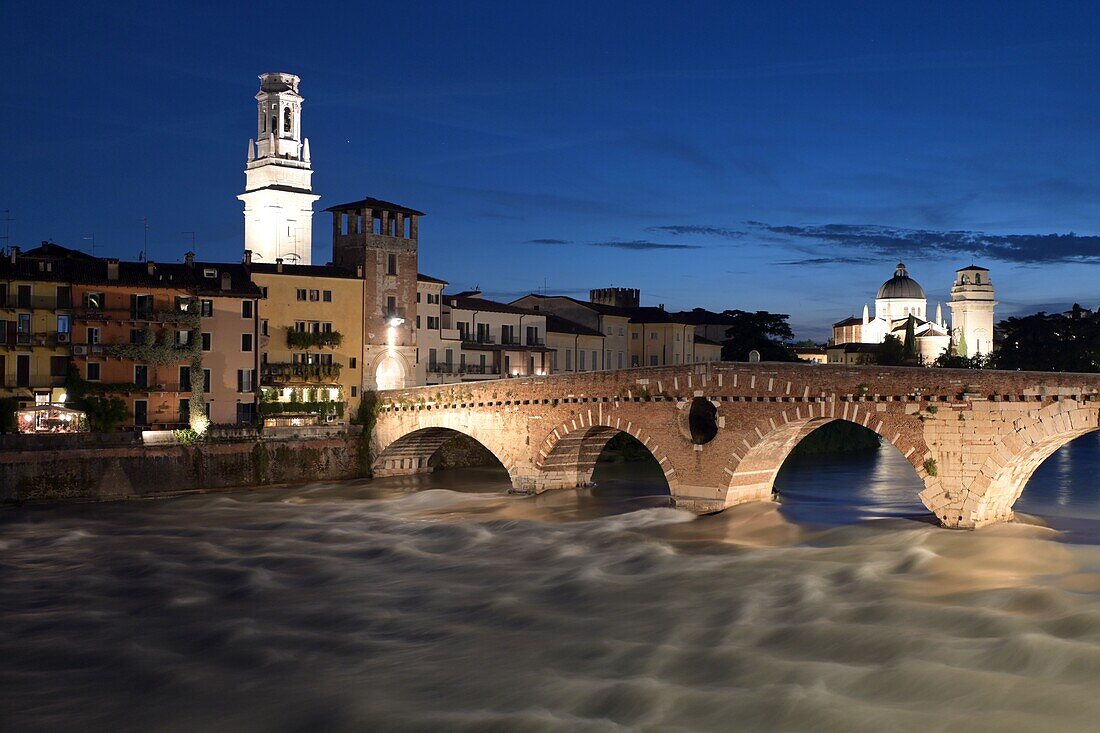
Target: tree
x,y
911,338
1051,342
892,352
768,333
949,359
104,413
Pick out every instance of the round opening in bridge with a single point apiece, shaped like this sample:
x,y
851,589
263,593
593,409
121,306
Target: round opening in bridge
x,y
702,421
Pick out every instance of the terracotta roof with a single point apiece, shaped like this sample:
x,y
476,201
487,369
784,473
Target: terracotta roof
x,y
849,321
704,340
269,268
472,302
61,264
557,324
372,203
421,277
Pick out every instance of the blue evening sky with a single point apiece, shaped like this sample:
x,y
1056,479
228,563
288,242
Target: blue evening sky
x,y
767,155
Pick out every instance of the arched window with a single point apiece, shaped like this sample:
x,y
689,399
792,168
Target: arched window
x,y
274,123
286,119
263,122
966,280
977,278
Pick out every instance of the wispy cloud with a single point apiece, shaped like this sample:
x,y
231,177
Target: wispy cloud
x,y
1015,248
642,244
831,261
633,244
699,229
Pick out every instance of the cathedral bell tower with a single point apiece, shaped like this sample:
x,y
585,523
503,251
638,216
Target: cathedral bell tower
x,y
278,197
971,307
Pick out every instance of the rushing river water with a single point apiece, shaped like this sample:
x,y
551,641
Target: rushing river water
x,y
444,604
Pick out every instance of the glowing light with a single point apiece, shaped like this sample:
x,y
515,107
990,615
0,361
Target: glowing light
x,y
61,398
200,423
396,321
515,372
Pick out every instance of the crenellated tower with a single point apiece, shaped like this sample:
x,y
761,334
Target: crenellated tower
x,y
278,197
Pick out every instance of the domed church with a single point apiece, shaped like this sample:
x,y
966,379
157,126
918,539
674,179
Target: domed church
x,y
901,297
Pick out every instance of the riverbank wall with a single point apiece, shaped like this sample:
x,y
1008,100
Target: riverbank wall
x,y
138,471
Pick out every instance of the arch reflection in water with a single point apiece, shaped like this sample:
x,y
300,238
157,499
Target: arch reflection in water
x,y
1058,489
842,473
627,474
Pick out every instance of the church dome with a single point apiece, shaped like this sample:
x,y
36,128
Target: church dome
x,y
901,286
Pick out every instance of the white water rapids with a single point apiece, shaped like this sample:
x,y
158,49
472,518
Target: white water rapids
x,y
425,606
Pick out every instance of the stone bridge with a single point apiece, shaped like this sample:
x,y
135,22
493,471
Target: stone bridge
x,y
722,431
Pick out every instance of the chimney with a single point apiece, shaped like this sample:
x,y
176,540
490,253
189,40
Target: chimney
x,y
112,269
150,267
247,257
278,264
227,281
189,259
14,254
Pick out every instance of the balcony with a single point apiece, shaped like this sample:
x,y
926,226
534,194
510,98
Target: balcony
x,y
274,373
450,368
312,339
190,316
87,349
35,302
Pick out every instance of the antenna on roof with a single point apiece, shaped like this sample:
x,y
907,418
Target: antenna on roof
x,y
92,238
145,242
7,227
192,240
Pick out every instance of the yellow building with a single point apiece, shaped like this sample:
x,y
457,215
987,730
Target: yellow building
x,y
35,325
311,339
576,347
657,340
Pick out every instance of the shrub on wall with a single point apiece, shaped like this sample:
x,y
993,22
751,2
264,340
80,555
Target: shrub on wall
x,y
104,413
8,406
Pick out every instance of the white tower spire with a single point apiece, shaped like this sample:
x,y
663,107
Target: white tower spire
x,y
939,314
971,307
278,197
866,315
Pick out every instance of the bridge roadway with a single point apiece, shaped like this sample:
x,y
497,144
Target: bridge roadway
x,y
721,431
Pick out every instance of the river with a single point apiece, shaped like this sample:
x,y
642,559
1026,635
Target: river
x,y
443,603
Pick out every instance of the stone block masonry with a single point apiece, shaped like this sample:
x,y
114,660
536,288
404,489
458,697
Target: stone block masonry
x,y
973,437
146,472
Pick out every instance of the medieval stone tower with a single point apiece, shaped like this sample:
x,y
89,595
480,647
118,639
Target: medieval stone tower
x,y
971,307
378,241
278,197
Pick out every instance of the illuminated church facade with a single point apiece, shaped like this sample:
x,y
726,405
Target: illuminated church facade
x,y
901,298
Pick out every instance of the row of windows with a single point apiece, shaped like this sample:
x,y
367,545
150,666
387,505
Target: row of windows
x,y
307,327
246,378
431,298
24,297
314,295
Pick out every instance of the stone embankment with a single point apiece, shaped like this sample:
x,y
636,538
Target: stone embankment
x,y
139,471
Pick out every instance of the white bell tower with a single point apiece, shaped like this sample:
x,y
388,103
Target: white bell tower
x,y
278,193
971,307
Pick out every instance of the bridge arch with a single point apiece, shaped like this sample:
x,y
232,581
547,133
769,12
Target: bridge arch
x,y
406,447
567,458
1002,478
754,465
